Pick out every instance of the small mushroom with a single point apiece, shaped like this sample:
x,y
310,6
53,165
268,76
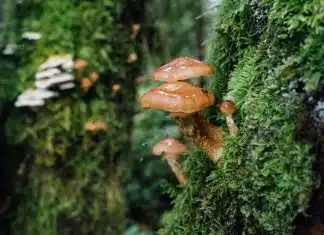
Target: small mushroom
x,y
228,108
172,150
185,101
115,88
55,80
94,76
135,28
67,86
95,126
182,68
132,57
85,83
80,64
47,73
55,61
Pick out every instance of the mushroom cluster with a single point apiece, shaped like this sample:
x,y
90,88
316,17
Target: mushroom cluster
x,y
186,101
87,80
55,73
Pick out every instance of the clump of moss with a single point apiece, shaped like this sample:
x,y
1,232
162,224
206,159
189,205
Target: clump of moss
x,y
267,179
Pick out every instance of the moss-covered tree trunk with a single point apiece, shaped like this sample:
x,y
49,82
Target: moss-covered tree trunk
x,y
68,179
269,60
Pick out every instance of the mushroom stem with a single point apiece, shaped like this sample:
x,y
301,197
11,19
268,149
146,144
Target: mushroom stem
x,y
177,170
203,134
231,125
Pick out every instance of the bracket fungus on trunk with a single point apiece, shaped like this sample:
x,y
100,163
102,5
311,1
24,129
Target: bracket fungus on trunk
x,y
172,150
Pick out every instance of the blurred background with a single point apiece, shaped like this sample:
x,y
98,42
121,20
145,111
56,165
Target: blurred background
x,y
76,148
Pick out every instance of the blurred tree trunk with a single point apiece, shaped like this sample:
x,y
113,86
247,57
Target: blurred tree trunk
x,y
68,179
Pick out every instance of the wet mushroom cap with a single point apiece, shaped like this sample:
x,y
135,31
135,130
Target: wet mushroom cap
x,y
227,107
170,147
177,97
182,68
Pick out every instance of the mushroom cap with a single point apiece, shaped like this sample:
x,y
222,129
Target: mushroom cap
x,y
116,87
85,83
132,57
182,68
177,97
170,147
80,64
94,76
95,126
227,107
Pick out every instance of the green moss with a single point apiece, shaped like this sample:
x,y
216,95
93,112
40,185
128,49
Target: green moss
x,y
267,177
68,182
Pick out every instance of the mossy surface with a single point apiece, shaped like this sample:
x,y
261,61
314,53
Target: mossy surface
x,y
68,179
260,48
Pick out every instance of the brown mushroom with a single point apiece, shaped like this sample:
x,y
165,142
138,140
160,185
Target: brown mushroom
x,y
115,88
182,68
172,150
132,57
94,76
184,101
95,126
228,108
135,28
80,64
177,97
85,83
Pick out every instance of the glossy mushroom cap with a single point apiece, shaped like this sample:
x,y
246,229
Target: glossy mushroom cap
x,y
177,97
170,147
227,107
182,68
